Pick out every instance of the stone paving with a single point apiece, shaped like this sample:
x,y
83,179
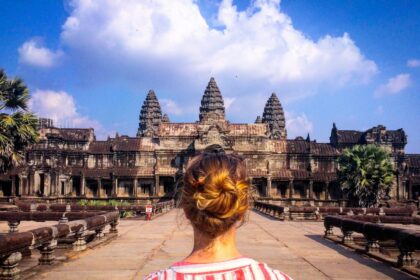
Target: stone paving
x,y
296,248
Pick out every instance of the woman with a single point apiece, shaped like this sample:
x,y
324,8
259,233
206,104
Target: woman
x,y
215,199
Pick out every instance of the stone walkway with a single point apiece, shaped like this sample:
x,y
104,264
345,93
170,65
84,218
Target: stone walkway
x,y
296,248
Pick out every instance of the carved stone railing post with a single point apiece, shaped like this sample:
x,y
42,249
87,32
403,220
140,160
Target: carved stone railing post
x,y
13,226
114,225
372,245
328,230
80,243
405,258
100,233
63,219
9,266
47,252
347,237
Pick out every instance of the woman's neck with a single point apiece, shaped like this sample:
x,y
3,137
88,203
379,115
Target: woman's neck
x,y
220,248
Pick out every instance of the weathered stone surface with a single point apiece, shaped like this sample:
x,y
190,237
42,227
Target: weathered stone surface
x,y
274,116
212,105
296,248
150,115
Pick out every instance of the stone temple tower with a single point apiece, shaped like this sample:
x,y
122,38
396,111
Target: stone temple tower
x,y
150,115
274,116
212,105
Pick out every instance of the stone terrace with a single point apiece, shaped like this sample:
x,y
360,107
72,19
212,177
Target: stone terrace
x,y
294,247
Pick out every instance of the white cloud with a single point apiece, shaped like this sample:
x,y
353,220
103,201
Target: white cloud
x,y
32,53
259,47
413,63
169,107
394,85
228,101
298,125
61,108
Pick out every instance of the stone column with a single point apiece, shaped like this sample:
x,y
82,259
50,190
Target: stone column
x,y
115,186
157,185
291,188
410,190
69,186
326,192
99,193
311,189
47,184
268,188
13,186
21,185
36,184
31,181
82,185
135,187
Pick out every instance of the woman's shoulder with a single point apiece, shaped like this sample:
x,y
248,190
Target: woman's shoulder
x,y
247,268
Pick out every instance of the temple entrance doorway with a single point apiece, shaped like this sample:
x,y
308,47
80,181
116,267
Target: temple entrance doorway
x,y
75,188
318,190
281,188
145,187
299,189
62,188
5,188
91,188
125,188
107,187
416,191
41,184
335,190
260,186
168,186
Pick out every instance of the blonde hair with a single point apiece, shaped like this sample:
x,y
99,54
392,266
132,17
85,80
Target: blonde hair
x,y
216,192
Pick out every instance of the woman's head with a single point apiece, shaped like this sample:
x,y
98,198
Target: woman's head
x,y
216,192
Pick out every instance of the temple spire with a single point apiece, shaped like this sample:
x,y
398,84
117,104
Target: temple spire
x,y
212,105
165,118
274,116
150,115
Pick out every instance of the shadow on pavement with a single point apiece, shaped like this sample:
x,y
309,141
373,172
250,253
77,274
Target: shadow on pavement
x,y
384,268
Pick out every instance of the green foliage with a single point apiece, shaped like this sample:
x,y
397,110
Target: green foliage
x,y
111,202
365,173
126,214
18,127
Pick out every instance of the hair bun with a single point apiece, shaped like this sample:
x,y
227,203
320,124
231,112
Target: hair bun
x,y
215,193
218,197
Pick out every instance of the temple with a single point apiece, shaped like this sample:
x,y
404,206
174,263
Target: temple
x,y
70,162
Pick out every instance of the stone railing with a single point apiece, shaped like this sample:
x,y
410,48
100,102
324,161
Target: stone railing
x,y
407,241
13,218
318,213
160,207
45,239
272,210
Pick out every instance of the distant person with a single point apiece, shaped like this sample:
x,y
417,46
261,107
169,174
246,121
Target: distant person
x,y
215,199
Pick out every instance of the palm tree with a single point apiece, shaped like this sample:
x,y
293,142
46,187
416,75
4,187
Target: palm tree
x,y
365,173
18,127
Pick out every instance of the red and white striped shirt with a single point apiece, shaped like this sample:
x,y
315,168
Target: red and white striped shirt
x,y
239,269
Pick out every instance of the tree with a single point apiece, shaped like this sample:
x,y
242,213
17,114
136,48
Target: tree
x,y
18,127
365,173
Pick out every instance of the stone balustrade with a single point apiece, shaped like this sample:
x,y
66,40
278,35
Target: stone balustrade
x,y
160,207
13,218
45,240
318,213
375,230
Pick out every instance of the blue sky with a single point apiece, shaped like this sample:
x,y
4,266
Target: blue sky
x,y
90,63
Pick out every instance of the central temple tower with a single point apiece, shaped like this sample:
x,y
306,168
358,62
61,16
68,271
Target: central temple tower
x,y
212,106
